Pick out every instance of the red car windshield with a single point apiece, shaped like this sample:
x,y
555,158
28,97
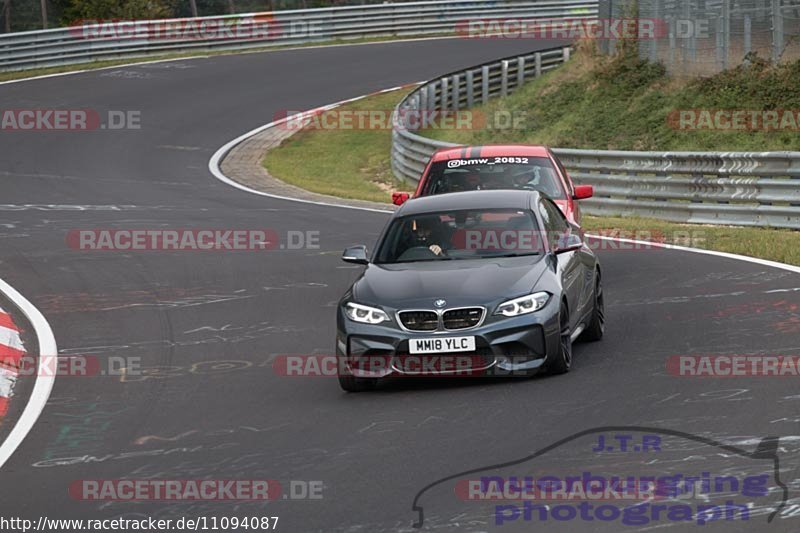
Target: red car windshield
x,y
523,173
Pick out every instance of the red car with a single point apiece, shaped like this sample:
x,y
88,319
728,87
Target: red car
x,y
471,168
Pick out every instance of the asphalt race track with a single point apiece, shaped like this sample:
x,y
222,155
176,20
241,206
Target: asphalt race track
x,y
207,325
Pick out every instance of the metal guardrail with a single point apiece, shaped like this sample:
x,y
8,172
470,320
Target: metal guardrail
x,y
729,188
114,40
459,90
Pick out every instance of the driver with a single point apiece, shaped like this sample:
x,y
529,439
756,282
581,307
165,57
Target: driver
x,y
472,181
428,232
528,180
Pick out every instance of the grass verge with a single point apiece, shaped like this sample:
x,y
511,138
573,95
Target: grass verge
x,y
349,163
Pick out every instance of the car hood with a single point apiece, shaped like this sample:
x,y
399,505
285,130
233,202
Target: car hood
x,y
461,283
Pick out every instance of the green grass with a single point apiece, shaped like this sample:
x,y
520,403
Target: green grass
x,y
623,103
348,163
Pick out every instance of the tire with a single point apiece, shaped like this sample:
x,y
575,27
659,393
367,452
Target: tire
x,y
597,324
562,362
354,384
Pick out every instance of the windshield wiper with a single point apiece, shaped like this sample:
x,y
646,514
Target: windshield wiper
x,y
421,260
529,254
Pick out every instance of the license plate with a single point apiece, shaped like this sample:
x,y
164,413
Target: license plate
x,y
442,345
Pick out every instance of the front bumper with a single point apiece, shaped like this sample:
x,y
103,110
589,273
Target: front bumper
x,y
503,347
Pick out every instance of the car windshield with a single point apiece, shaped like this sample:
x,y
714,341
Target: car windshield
x,y
523,173
460,234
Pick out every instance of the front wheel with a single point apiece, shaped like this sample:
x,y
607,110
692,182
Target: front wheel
x,y
562,362
354,384
597,325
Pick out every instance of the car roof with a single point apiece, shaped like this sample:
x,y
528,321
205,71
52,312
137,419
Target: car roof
x,y
501,199
490,150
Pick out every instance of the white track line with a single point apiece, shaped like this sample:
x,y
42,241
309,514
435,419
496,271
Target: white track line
x,y
756,260
219,155
44,383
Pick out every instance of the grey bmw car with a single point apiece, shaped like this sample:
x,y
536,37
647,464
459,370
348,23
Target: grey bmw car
x,y
465,284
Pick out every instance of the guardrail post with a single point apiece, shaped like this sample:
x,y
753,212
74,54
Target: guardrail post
x,y
567,51
422,111
520,71
777,31
720,45
726,32
673,43
538,64
685,54
456,95
412,109
443,92
654,40
504,78
748,34
432,95
470,81
693,34
484,84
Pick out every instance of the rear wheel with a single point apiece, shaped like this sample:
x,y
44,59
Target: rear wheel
x,y
562,362
597,325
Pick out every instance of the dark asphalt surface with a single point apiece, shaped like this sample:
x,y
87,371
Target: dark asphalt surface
x,y
208,325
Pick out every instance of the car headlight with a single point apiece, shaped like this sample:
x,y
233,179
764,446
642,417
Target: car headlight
x,y
524,305
365,314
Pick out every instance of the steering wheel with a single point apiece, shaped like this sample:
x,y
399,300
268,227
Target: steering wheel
x,y
416,253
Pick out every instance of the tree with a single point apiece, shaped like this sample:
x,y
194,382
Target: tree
x,y
118,9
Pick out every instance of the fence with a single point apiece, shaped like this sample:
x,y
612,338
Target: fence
x,y
702,37
747,189
93,42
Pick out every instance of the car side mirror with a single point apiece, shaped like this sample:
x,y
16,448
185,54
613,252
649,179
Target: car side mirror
x,y
568,242
582,192
356,255
399,198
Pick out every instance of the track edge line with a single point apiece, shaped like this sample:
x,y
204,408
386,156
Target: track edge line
x,y
44,383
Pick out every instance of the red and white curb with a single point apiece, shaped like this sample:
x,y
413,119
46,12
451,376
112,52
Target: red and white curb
x,y
11,353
